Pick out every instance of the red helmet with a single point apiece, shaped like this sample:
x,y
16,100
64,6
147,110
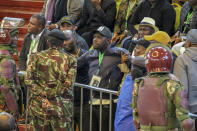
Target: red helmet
x,y
158,59
8,29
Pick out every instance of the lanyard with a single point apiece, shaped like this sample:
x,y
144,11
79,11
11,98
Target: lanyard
x,y
33,45
100,61
189,16
128,11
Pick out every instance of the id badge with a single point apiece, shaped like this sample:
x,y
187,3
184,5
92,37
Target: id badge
x,y
95,81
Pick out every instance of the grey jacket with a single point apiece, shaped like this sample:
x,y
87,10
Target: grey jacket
x,y
185,69
74,8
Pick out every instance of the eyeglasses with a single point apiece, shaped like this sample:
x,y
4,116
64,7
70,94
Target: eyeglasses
x,y
144,28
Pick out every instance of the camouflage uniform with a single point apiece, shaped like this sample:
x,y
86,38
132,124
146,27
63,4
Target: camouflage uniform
x,y
174,92
10,86
120,24
159,100
9,78
50,77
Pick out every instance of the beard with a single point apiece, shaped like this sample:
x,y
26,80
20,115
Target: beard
x,y
101,47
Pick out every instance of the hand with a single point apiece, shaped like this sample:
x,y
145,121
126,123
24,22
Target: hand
x,y
115,37
97,3
122,36
136,36
124,57
52,26
46,103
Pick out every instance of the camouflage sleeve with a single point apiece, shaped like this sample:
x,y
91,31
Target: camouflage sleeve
x,y
178,95
30,80
134,103
8,77
71,75
9,89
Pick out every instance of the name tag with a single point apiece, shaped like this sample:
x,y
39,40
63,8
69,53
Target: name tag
x,y
95,81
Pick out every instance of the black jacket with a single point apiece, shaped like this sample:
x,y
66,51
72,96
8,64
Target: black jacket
x,y
92,19
163,14
42,45
192,23
81,77
110,74
81,43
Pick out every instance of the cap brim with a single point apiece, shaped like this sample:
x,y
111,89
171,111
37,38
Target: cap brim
x,y
152,26
66,22
148,37
96,31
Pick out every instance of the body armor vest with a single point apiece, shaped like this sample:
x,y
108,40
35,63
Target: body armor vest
x,y
154,107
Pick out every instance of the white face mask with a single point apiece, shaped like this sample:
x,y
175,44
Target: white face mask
x,y
182,50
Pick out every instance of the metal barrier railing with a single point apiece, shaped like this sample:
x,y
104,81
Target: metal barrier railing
x,y
101,90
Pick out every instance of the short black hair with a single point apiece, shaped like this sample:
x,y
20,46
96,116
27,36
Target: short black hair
x,y
41,19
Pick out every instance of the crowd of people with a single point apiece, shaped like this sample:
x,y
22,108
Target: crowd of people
x,y
144,49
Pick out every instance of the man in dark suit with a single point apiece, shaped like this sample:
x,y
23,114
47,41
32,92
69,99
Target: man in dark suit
x,y
34,41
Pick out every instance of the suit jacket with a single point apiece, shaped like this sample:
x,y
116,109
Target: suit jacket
x,y
42,45
74,8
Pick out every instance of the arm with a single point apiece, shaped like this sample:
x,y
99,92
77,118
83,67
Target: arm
x,y
71,75
74,8
134,104
9,88
23,56
44,7
180,71
107,17
82,61
30,79
120,16
178,95
84,16
168,24
134,20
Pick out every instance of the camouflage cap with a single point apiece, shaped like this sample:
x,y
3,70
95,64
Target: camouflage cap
x,y
67,19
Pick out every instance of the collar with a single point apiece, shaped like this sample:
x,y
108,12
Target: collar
x,y
35,37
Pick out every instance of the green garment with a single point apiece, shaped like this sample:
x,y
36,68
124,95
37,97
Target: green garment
x,y
8,77
176,113
126,9
51,76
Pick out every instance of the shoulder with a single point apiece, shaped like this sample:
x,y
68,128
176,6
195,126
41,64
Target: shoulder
x,y
167,6
45,33
182,59
186,5
173,84
107,3
27,36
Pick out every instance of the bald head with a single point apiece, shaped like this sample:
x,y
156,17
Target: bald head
x,y
7,122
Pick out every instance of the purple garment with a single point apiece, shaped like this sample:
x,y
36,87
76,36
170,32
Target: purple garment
x,y
49,10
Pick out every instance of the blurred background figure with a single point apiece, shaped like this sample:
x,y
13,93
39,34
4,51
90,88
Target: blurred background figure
x,y
7,122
